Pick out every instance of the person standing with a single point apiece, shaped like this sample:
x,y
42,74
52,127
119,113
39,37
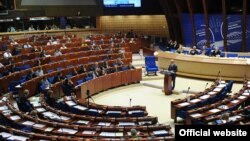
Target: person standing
x,y
173,69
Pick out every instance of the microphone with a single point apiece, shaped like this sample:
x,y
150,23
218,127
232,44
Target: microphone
x,y
130,100
206,86
218,75
188,99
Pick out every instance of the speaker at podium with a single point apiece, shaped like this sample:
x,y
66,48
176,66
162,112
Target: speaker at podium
x,y
167,81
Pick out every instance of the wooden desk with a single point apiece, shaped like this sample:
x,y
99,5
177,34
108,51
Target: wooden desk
x,y
109,81
206,67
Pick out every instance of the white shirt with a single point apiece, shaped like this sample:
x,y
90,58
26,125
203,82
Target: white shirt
x,y
7,55
1,65
27,46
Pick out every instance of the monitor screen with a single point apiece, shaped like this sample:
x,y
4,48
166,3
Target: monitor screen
x,y
122,3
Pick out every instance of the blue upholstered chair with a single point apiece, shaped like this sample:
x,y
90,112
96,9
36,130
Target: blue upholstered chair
x,y
150,65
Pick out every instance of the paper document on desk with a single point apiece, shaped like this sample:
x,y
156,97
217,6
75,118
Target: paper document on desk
x,y
217,89
49,129
204,97
245,94
39,125
40,110
214,110
104,123
30,123
235,101
67,130
184,104
15,117
234,118
79,107
18,138
70,103
2,108
160,132
126,124
212,93
82,122
111,134
242,97
196,115
89,132
195,100
5,134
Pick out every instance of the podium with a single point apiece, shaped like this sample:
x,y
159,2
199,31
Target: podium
x,y
167,82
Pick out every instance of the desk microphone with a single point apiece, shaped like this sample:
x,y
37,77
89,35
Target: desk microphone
x,y
206,86
130,100
218,75
187,94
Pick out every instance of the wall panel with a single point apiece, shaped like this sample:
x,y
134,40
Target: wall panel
x,y
154,25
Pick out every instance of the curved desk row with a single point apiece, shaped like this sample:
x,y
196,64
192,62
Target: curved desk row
x,y
109,81
206,67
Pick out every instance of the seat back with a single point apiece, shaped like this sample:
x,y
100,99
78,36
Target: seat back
x,y
150,61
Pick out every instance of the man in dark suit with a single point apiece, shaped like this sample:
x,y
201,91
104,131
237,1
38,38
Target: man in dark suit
x,y
173,68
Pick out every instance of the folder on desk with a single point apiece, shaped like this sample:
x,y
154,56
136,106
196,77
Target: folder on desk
x,y
70,103
79,107
89,132
126,124
18,138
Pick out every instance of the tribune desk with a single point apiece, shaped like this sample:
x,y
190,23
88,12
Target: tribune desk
x,y
206,67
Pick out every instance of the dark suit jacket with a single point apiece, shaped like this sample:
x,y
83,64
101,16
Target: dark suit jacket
x,y
173,68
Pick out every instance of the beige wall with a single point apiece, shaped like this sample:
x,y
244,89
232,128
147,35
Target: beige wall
x,y
154,25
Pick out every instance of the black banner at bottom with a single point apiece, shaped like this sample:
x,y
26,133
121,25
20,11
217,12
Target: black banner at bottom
x,y
198,132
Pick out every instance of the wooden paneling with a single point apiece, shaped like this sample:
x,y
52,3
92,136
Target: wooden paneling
x,y
141,24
